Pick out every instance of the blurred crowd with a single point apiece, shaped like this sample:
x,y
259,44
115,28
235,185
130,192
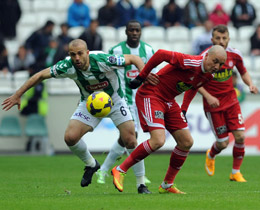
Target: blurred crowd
x,y
41,49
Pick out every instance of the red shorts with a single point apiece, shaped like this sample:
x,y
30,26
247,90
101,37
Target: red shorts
x,y
155,114
224,121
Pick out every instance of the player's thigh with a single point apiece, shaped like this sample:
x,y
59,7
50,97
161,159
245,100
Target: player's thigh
x,y
234,118
218,125
174,118
151,112
120,113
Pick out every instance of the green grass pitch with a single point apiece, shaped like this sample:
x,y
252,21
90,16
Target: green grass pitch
x,y
40,182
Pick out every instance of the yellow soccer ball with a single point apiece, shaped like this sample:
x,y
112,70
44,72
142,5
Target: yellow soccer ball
x,y
99,104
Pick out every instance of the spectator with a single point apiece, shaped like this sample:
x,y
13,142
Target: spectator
x,y
63,43
203,41
23,59
39,39
255,42
10,13
171,15
243,13
219,16
4,64
195,13
78,14
146,14
125,12
92,37
107,15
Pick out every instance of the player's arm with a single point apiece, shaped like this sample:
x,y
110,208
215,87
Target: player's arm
x,y
155,60
187,98
15,99
211,100
248,81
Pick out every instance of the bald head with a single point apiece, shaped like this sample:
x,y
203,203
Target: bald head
x,y
218,51
215,59
78,43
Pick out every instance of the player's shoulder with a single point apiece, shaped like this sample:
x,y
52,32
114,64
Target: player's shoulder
x,y
234,51
146,44
117,47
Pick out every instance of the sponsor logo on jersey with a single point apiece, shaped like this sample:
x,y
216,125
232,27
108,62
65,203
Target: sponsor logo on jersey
x,y
222,129
132,74
223,75
158,115
98,86
182,86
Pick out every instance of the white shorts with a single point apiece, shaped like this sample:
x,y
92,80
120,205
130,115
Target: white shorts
x,y
134,113
119,114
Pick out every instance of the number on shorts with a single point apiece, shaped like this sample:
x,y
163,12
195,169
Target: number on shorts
x,y
123,111
240,119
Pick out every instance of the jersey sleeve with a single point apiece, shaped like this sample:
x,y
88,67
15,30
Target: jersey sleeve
x,y
109,62
60,69
188,96
156,59
240,64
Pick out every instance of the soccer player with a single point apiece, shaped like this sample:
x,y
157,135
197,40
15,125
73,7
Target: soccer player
x,y
133,46
158,110
91,72
221,106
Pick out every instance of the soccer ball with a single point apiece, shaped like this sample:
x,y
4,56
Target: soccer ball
x,y
99,104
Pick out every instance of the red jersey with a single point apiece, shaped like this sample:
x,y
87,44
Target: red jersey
x,y
182,73
221,86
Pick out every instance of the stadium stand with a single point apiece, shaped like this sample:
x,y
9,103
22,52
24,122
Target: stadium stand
x,y
10,126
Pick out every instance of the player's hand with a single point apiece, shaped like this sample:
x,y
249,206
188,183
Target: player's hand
x,y
253,89
10,102
152,79
213,102
136,82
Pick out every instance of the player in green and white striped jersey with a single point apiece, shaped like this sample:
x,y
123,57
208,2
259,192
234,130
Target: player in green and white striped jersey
x,y
91,72
134,46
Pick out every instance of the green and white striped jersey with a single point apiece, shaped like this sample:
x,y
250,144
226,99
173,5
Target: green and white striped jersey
x,y
100,76
145,52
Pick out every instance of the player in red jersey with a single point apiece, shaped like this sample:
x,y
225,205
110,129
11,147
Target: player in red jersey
x,y
158,110
222,107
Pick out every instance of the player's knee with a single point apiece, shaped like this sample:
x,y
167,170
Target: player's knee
x,y
70,138
130,142
222,145
156,143
240,138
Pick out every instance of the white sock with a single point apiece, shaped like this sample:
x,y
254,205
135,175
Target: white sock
x,y
116,151
80,149
234,171
165,185
139,170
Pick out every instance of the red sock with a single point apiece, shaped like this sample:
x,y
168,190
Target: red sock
x,y
214,150
238,155
177,159
140,152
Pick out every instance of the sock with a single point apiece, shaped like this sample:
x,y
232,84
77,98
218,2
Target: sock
x,y
214,151
178,157
80,149
238,155
142,151
116,151
139,170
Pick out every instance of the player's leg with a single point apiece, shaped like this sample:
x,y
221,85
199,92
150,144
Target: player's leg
x,y
218,126
157,132
82,122
179,130
236,124
117,150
